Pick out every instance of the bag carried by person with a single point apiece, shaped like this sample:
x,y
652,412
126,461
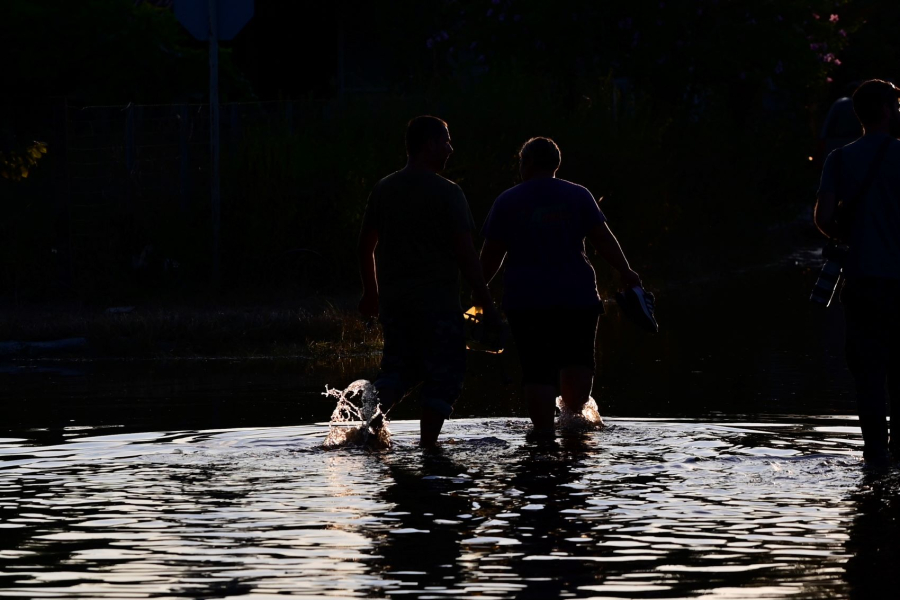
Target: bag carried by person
x,y
480,336
845,212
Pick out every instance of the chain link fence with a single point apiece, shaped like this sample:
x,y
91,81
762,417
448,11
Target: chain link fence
x,y
121,202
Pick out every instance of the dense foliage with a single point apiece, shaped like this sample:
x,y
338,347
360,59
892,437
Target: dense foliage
x,y
102,52
694,120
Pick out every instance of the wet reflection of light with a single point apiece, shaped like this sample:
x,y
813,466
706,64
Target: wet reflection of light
x,y
668,507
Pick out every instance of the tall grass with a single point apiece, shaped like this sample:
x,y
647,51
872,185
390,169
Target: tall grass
x,y
321,331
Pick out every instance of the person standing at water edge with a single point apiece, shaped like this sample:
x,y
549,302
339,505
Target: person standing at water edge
x,y
550,295
865,175
416,238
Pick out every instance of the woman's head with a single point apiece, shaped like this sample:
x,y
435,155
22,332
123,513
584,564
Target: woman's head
x,y
539,157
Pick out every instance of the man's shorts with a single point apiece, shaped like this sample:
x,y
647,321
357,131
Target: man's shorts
x,y
428,349
549,339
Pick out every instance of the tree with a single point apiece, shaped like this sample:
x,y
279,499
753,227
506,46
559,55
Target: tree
x,y
103,51
16,165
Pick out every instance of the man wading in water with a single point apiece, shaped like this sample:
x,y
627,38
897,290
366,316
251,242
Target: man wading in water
x,y
865,176
416,238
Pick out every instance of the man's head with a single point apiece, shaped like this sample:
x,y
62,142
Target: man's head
x,y
428,142
539,156
875,103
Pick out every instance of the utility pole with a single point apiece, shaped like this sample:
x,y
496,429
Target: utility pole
x,y
214,190
214,20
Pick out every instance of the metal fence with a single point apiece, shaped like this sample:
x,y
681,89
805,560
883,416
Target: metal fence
x,y
110,165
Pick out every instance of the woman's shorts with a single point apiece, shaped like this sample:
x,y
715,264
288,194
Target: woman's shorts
x,y
549,339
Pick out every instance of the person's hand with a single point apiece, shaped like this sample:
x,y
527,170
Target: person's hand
x,y
490,314
492,318
368,305
493,325
631,279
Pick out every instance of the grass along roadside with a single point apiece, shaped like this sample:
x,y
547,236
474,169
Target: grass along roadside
x,y
185,332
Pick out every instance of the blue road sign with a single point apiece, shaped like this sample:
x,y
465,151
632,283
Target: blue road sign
x,y
232,16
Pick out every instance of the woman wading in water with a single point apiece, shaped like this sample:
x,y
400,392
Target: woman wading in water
x,y
550,295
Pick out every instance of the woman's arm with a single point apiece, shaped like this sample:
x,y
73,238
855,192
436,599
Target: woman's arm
x,y
492,254
608,248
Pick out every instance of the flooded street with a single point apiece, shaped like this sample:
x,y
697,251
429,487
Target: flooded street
x,y
656,508
730,469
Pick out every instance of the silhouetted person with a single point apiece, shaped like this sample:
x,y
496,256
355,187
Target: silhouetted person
x,y
550,289
416,238
840,126
865,177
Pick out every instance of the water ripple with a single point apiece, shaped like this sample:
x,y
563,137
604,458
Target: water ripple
x,y
656,508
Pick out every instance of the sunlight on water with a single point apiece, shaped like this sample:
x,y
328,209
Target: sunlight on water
x,y
351,422
651,508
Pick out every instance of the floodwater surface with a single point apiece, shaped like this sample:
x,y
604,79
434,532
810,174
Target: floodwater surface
x,y
778,507
730,469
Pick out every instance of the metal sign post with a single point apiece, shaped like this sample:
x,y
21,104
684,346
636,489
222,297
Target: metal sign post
x,y
214,142
214,20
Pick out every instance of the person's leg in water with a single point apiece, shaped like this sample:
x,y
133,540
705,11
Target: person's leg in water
x,y
576,378
430,424
443,363
397,373
575,385
541,400
867,358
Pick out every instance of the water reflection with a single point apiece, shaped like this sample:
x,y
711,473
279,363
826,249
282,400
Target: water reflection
x,y
874,543
421,546
551,524
646,508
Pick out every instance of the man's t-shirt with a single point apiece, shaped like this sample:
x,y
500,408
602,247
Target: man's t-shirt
x,y
875,236
415,214
543,223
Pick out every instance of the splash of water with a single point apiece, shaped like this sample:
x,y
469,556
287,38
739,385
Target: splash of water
x,y
352,420
587,419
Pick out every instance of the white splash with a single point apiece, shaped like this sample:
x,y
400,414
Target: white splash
x,y
351,422
588,419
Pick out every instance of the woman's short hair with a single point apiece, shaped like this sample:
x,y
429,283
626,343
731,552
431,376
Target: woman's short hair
x,y
540,153
870,98
422,129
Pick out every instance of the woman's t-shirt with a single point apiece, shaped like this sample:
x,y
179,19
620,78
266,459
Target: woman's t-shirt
x,y
543,223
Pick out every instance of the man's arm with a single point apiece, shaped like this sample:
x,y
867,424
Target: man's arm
x,y
492,254
608,248
470,267
368,240
826,204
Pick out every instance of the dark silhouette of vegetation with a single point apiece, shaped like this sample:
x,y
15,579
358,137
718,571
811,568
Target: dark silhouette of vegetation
x,y
694,121
17,165
104,52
